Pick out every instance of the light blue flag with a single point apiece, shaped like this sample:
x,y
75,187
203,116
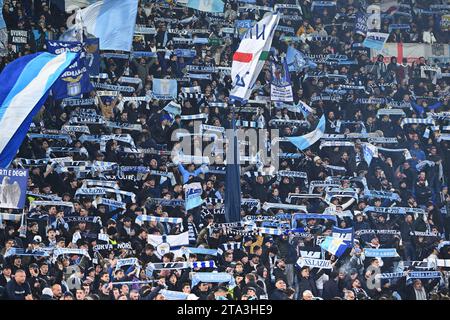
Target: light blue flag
x,y
173,108
25,84
297,61
206,5
165,89
335,246
193,192
375,40
307,140
112,21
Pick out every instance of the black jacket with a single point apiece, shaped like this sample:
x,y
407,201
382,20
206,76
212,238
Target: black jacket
x,y
307,284
15,291
331,290
278,294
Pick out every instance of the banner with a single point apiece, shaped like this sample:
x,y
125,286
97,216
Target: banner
x,y
75,80
13,188
169,243
280,84
18,37
314,263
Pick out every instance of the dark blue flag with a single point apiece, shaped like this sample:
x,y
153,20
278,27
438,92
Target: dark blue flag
x,y
91,46
75,80
233,183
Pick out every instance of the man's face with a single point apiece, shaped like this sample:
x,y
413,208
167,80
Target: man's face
x,y
57,292
203,287
134,295
418,285
307,295
80,294
281,285
20,277
105,277
350,295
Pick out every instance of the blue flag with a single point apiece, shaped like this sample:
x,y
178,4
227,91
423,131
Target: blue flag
x,y
297,61
335,246
112,21
25,86
75,80
233,182
307,140
375,40
361,23
92,48
344,234
206,5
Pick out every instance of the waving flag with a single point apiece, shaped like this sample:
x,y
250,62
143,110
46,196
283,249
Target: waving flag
x,y
297,61
309,139
249,59
204,5
335,246
25,84
344,234
304,108
112,21
375,40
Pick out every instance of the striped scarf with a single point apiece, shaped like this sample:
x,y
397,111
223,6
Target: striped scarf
x,y
428,121
229,246
194,117
250,124
336,144
144,218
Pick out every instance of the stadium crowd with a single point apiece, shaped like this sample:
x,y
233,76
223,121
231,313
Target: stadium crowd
x,y
59,215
